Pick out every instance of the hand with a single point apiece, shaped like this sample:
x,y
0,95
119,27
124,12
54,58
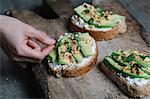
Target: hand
x,y
17,40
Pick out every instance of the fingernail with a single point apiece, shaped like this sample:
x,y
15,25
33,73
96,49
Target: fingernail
x,y
52,41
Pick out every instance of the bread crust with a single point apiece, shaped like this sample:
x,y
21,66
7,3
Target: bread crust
x,y
77,71
97,35
128,89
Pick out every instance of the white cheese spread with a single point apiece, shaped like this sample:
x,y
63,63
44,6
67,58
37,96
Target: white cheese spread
x,y
137,81
81,23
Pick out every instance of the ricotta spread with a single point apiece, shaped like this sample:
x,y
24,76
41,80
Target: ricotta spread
x,y
81,23
135,81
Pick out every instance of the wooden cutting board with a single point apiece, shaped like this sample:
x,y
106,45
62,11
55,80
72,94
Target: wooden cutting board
x,y
94,84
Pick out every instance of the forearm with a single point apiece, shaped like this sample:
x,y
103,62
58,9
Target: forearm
x,y
1,29
3,26
5,23
2,22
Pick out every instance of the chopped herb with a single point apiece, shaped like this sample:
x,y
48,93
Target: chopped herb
x,y
102,13
130,58
86,11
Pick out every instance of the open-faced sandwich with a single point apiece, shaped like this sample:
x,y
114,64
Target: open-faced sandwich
x,y
102,25
74,55
130,70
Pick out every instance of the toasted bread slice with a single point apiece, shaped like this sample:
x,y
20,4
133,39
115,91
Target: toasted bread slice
x,y
128,89
83,55
97,34
74,71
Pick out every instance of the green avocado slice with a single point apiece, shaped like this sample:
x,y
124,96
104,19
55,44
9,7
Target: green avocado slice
x,y
64,50
81,11
78,56
131,58
145,65
113,65
101,22
85,43
110,22
71,49
85,48
52,55
146,70
66,58
76,52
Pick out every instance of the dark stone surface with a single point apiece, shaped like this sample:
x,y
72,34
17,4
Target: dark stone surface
x,y
19,4
141,11
16,82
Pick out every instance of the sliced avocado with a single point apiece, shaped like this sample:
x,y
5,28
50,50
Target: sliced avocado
x,y
64,50
111,21
63,58
52,55
85,44
113,65
63,40
64,44
78,56
71,48
66,58
101,21
141,63
76,53
85,37
147,59
85,48
59,50
145,70
81,11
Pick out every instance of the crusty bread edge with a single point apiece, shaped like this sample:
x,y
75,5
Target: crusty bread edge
x,y
128,89
74,72
97,35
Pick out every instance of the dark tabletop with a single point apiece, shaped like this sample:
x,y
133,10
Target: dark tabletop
x,y
16,82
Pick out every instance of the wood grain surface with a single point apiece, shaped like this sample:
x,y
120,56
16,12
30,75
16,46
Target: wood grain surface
x,y
94,84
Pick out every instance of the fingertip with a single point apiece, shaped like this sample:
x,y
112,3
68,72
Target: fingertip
x,y
48,40
47,50
54,41
51,41
51,47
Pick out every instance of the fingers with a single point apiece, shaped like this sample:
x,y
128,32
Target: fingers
x,y
47,50
37,54
33,45
30,51
32,55
41,36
